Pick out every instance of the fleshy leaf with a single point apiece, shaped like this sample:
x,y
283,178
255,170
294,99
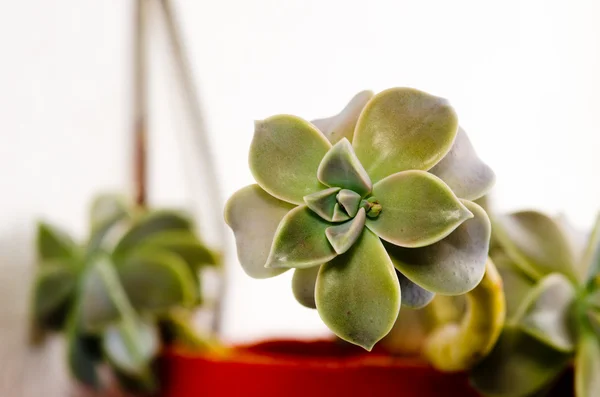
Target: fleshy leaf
x,y
106,208
156,280
300,241
97,295
518,366
284,157
357,293
303,286
339,215
341,168
578,241
418,209
590,264
545,313
535,243
254,216
131,346
323,202
54,291
343,236
151,224
516,284
183,243
461,169
54,244
587,366
403,129
413,296
81,356
349,200
342,125
452,266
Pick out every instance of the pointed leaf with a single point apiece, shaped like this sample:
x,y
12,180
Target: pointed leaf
x,y
323,202
357,293
54,244
339,215
54,291
342,125
149,225
403,129
517,285
109,217
452,266
284,157
590,263
418,209
106,208
183,243
343,236
131,347
300,241
587,366
546,312
349,200
341,168
467,176
97,295
156,280
518,366
303,286
413,296
254,216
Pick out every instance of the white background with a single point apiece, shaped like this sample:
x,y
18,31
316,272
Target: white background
x,y
524,77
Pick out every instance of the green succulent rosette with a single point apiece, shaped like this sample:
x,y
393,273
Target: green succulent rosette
x,y
112,295
371,208
551,275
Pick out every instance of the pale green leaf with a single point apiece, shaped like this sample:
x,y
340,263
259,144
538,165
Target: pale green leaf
x,y
587,365
339,214
106,208
516,284
349,200
413,296
131,346
341,168
418,209
303,286
323,202
357,293
341,237
254,216
403,129
300,241
284,157
590,263
183,243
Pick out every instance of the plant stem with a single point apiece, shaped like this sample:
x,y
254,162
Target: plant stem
x,y
139,105
200,139
457,347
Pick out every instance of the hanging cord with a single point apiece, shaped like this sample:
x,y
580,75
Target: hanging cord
x,y
200,140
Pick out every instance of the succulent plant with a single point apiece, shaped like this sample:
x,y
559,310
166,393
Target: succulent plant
x,y
371,207
119,296
552,286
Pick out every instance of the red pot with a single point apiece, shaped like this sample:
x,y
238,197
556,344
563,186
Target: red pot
x,y
306,368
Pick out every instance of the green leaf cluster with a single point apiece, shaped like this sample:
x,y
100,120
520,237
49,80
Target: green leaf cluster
x,y
110,295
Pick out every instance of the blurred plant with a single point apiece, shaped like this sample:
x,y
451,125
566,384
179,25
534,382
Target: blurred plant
x,y
370,207
130,289
552,286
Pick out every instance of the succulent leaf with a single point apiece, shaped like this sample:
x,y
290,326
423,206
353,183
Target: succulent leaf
x,y
303,286
339,214
284,157
97,295
54,290
357,293
254,216
518,366
54,244
82,354
590,264
151,224
517,284
418,209
349,201
536,244
323,202
131,346
344,235
341,168
546,312
413,296
403,129
461,169
300,241
587,365
156,280
343,124
183,243
453,265
106,208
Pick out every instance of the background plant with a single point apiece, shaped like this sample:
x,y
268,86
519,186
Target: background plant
x,y
122,295
552,286
372,208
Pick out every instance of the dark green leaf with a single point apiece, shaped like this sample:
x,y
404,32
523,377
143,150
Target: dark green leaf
x,y
54,244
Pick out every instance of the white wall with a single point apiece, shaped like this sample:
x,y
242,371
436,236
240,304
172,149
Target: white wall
x,y
523,76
